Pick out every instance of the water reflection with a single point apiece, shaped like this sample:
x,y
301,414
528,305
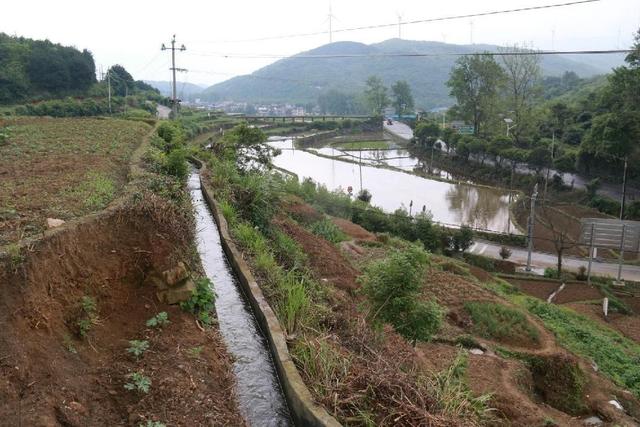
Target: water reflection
x,y
450,203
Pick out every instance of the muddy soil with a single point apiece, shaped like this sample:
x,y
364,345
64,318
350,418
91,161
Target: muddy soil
x,y
51,376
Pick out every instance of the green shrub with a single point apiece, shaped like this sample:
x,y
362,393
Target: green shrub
x,y
483,262
202,302
176,164
138,382
393,286
497,321
326,229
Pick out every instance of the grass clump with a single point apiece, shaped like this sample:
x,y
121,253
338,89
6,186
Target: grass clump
x,y
138,382
99,190
137,348
452,394
296,301
202,301
321,361
393,287
159,320
326,229
497,321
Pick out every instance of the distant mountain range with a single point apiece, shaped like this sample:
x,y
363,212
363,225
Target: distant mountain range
x,y
183,89
299,79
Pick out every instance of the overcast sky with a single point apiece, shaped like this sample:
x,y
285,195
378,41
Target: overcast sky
x,y
131,32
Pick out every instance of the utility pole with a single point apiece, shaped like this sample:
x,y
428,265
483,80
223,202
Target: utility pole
x,y
624,188
174,69
399,26
532,216
546,181
109,88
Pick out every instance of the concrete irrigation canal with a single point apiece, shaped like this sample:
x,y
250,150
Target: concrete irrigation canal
x,y
259,394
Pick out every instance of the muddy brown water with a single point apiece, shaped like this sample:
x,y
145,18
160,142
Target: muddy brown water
x,y
259,394
450,203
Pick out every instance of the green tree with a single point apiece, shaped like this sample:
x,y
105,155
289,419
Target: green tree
x,y
523,88
376,95
402,97
427,132
475,82
121,81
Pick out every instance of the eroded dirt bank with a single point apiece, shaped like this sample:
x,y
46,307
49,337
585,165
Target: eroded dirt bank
x,y
53,371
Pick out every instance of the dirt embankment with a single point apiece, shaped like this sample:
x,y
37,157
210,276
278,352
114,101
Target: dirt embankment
x,y
49,375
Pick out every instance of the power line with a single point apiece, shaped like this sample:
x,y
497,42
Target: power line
x,y
413,55
418,21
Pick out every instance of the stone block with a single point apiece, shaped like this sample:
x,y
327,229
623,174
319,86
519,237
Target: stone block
x,y
177,294
176,275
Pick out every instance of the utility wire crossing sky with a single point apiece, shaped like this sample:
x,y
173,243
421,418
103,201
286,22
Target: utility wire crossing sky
x,y
223,38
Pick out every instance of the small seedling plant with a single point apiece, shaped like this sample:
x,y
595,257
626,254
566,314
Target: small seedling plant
x,y
138,382
159,320
88,315
137,348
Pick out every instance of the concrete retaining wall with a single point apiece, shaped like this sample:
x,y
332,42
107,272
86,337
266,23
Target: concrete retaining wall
x,y
301,405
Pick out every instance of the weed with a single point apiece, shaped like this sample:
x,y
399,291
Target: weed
x,y
326,229
138,382
15,254
493,320
150,423
137,348
202,301
68,343
195,351
159,320
88,315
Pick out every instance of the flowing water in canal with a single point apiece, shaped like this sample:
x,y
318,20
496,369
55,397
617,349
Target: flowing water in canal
x,y
449,202
260,397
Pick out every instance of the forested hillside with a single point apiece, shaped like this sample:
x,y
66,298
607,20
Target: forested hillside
x,y
303,79
41,69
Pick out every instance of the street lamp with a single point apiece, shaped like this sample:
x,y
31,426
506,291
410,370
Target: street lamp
x,y
509,125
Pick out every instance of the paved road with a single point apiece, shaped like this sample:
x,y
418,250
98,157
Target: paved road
x,y
540,261
162,111
399,129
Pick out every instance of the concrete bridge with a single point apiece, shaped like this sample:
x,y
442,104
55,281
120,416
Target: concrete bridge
x,y
303,119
